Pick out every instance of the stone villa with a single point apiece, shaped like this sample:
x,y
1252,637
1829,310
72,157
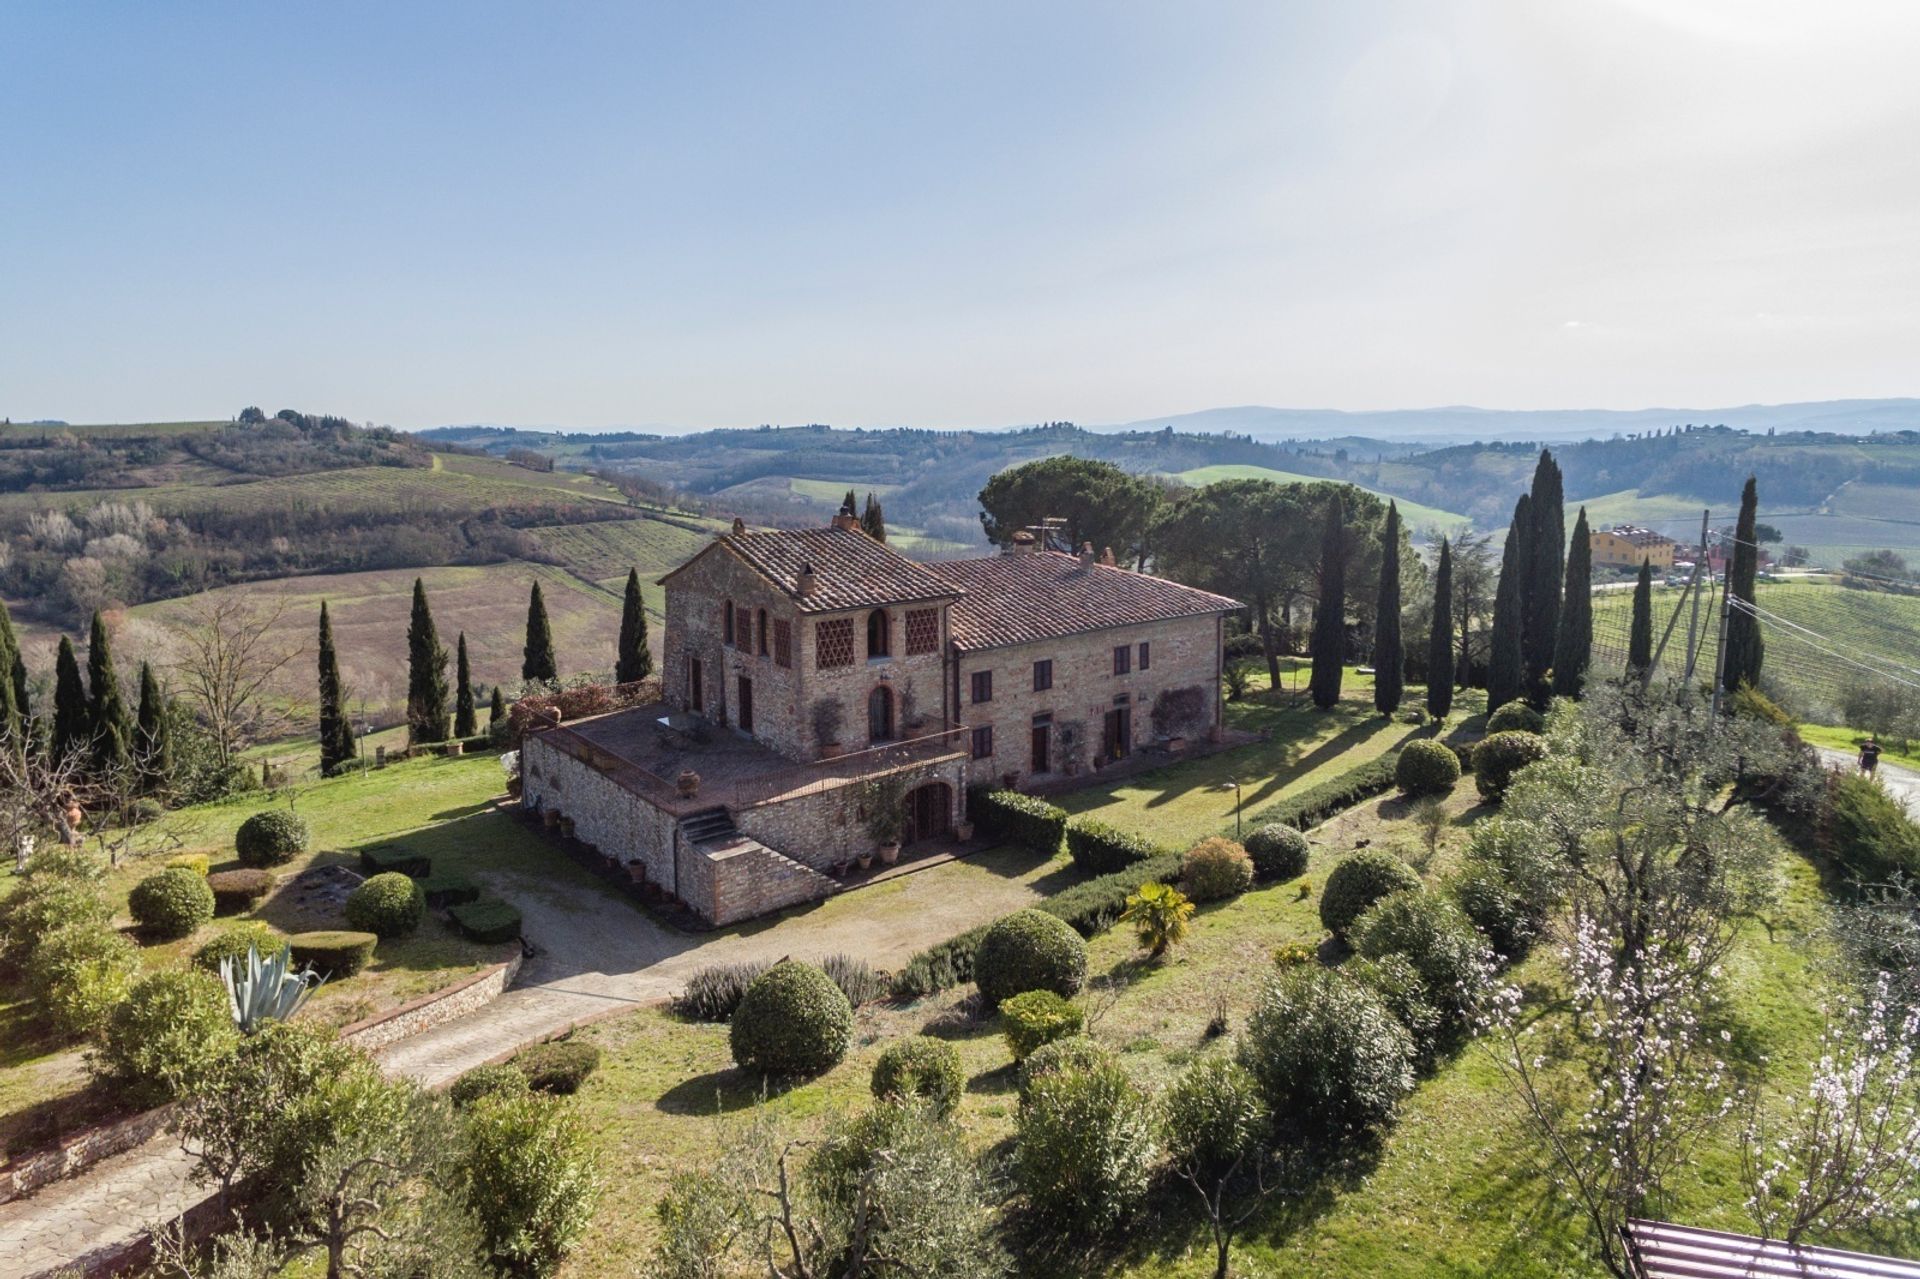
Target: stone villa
x,y
826,695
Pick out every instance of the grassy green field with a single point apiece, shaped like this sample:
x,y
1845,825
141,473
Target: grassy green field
x,y
604,551
1840,623
1417,517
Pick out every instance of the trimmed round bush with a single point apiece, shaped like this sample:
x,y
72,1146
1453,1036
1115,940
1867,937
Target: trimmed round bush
x,y
921,1067
44,904
1215,869
1452,959
1279,853
1076,1052
237,890
333,953
1498,758
1516,717
252,934
1496,908
792,1021
1359,882
1029,950
1037,1017
171,903
1426,767
81,972
387,905
1085,1147
499,1080
559,1065
172,1026
1328,1055
272,837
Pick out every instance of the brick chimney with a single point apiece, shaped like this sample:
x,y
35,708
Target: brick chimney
x,y
739,526
1086,555
1106,557
1022,543
809,582
847,520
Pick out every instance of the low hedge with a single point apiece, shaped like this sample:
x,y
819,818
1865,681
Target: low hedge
x,y
1335,795
271,838
334,953
198,863
1037,1018
1100,849
558,1066
382,858
234,944
920,1067
171,903
449,888
1009,817
487,919
237,890
500,1080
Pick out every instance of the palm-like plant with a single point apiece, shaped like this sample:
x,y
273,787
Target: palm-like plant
x,y
266,989
1159,914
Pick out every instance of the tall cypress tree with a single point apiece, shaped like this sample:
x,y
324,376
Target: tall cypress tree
x,y
336,726
1440,638
1389,657
497,707
426,674
1506,668
111,727
13,687
72,722
1330,615
1573,652
1745,649
538,661
872,521
152,738
1546,550
1640,634
634,660
464,724
847,506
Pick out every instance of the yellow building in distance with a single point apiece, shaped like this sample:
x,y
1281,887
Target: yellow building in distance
x,y
1626,545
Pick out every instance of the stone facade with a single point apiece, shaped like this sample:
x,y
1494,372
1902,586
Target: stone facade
x,y
1182,654
829,826
605,814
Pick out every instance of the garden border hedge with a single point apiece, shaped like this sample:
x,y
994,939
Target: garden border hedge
x,y
1010,817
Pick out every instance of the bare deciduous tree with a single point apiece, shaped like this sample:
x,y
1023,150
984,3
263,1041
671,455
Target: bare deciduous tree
x,y
36,789
230,654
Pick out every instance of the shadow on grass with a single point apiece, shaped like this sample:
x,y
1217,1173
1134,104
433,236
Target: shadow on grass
x,y
723,1092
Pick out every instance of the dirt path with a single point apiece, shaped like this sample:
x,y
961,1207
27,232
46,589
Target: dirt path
x,y
597,955
1902,783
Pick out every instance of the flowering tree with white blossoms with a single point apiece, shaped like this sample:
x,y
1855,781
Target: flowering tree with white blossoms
x,y
1651,1081
1847,1151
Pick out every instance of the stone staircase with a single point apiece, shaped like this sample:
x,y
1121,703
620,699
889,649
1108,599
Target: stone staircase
x,y
709,826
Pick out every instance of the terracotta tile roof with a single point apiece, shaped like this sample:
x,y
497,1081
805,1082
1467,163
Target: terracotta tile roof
x,y
1012,599
851,569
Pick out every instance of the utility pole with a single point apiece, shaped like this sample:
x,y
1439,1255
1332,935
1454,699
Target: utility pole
x,y
1704,558
1720,655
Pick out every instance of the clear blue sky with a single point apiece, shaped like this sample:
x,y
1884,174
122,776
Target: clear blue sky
x,y
952,214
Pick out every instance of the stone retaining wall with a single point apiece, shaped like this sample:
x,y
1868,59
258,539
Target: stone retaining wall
x,y
438,1008
78,1151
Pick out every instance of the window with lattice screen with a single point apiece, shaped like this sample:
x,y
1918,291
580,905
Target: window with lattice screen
x,y
783,643
833,643
923,631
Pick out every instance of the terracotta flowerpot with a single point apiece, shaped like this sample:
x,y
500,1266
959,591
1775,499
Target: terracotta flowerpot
x,y
889,853
866,861
963,831
689,784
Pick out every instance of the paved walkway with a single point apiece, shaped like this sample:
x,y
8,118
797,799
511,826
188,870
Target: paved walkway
x,y
1902,783
597,955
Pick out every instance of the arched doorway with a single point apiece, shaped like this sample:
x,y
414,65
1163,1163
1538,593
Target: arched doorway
x,y
880,714
929,812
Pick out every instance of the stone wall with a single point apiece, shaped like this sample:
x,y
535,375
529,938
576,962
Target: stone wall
x,y
749,879
442,1006
605,814
829,826
1184,652
78,1151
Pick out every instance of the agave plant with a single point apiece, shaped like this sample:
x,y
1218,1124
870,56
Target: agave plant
x,y
266,989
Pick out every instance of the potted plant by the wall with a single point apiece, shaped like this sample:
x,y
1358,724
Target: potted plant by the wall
x,y
827,719
885,802
1068,741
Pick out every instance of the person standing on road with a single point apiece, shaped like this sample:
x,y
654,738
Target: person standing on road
x,y
1869,756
